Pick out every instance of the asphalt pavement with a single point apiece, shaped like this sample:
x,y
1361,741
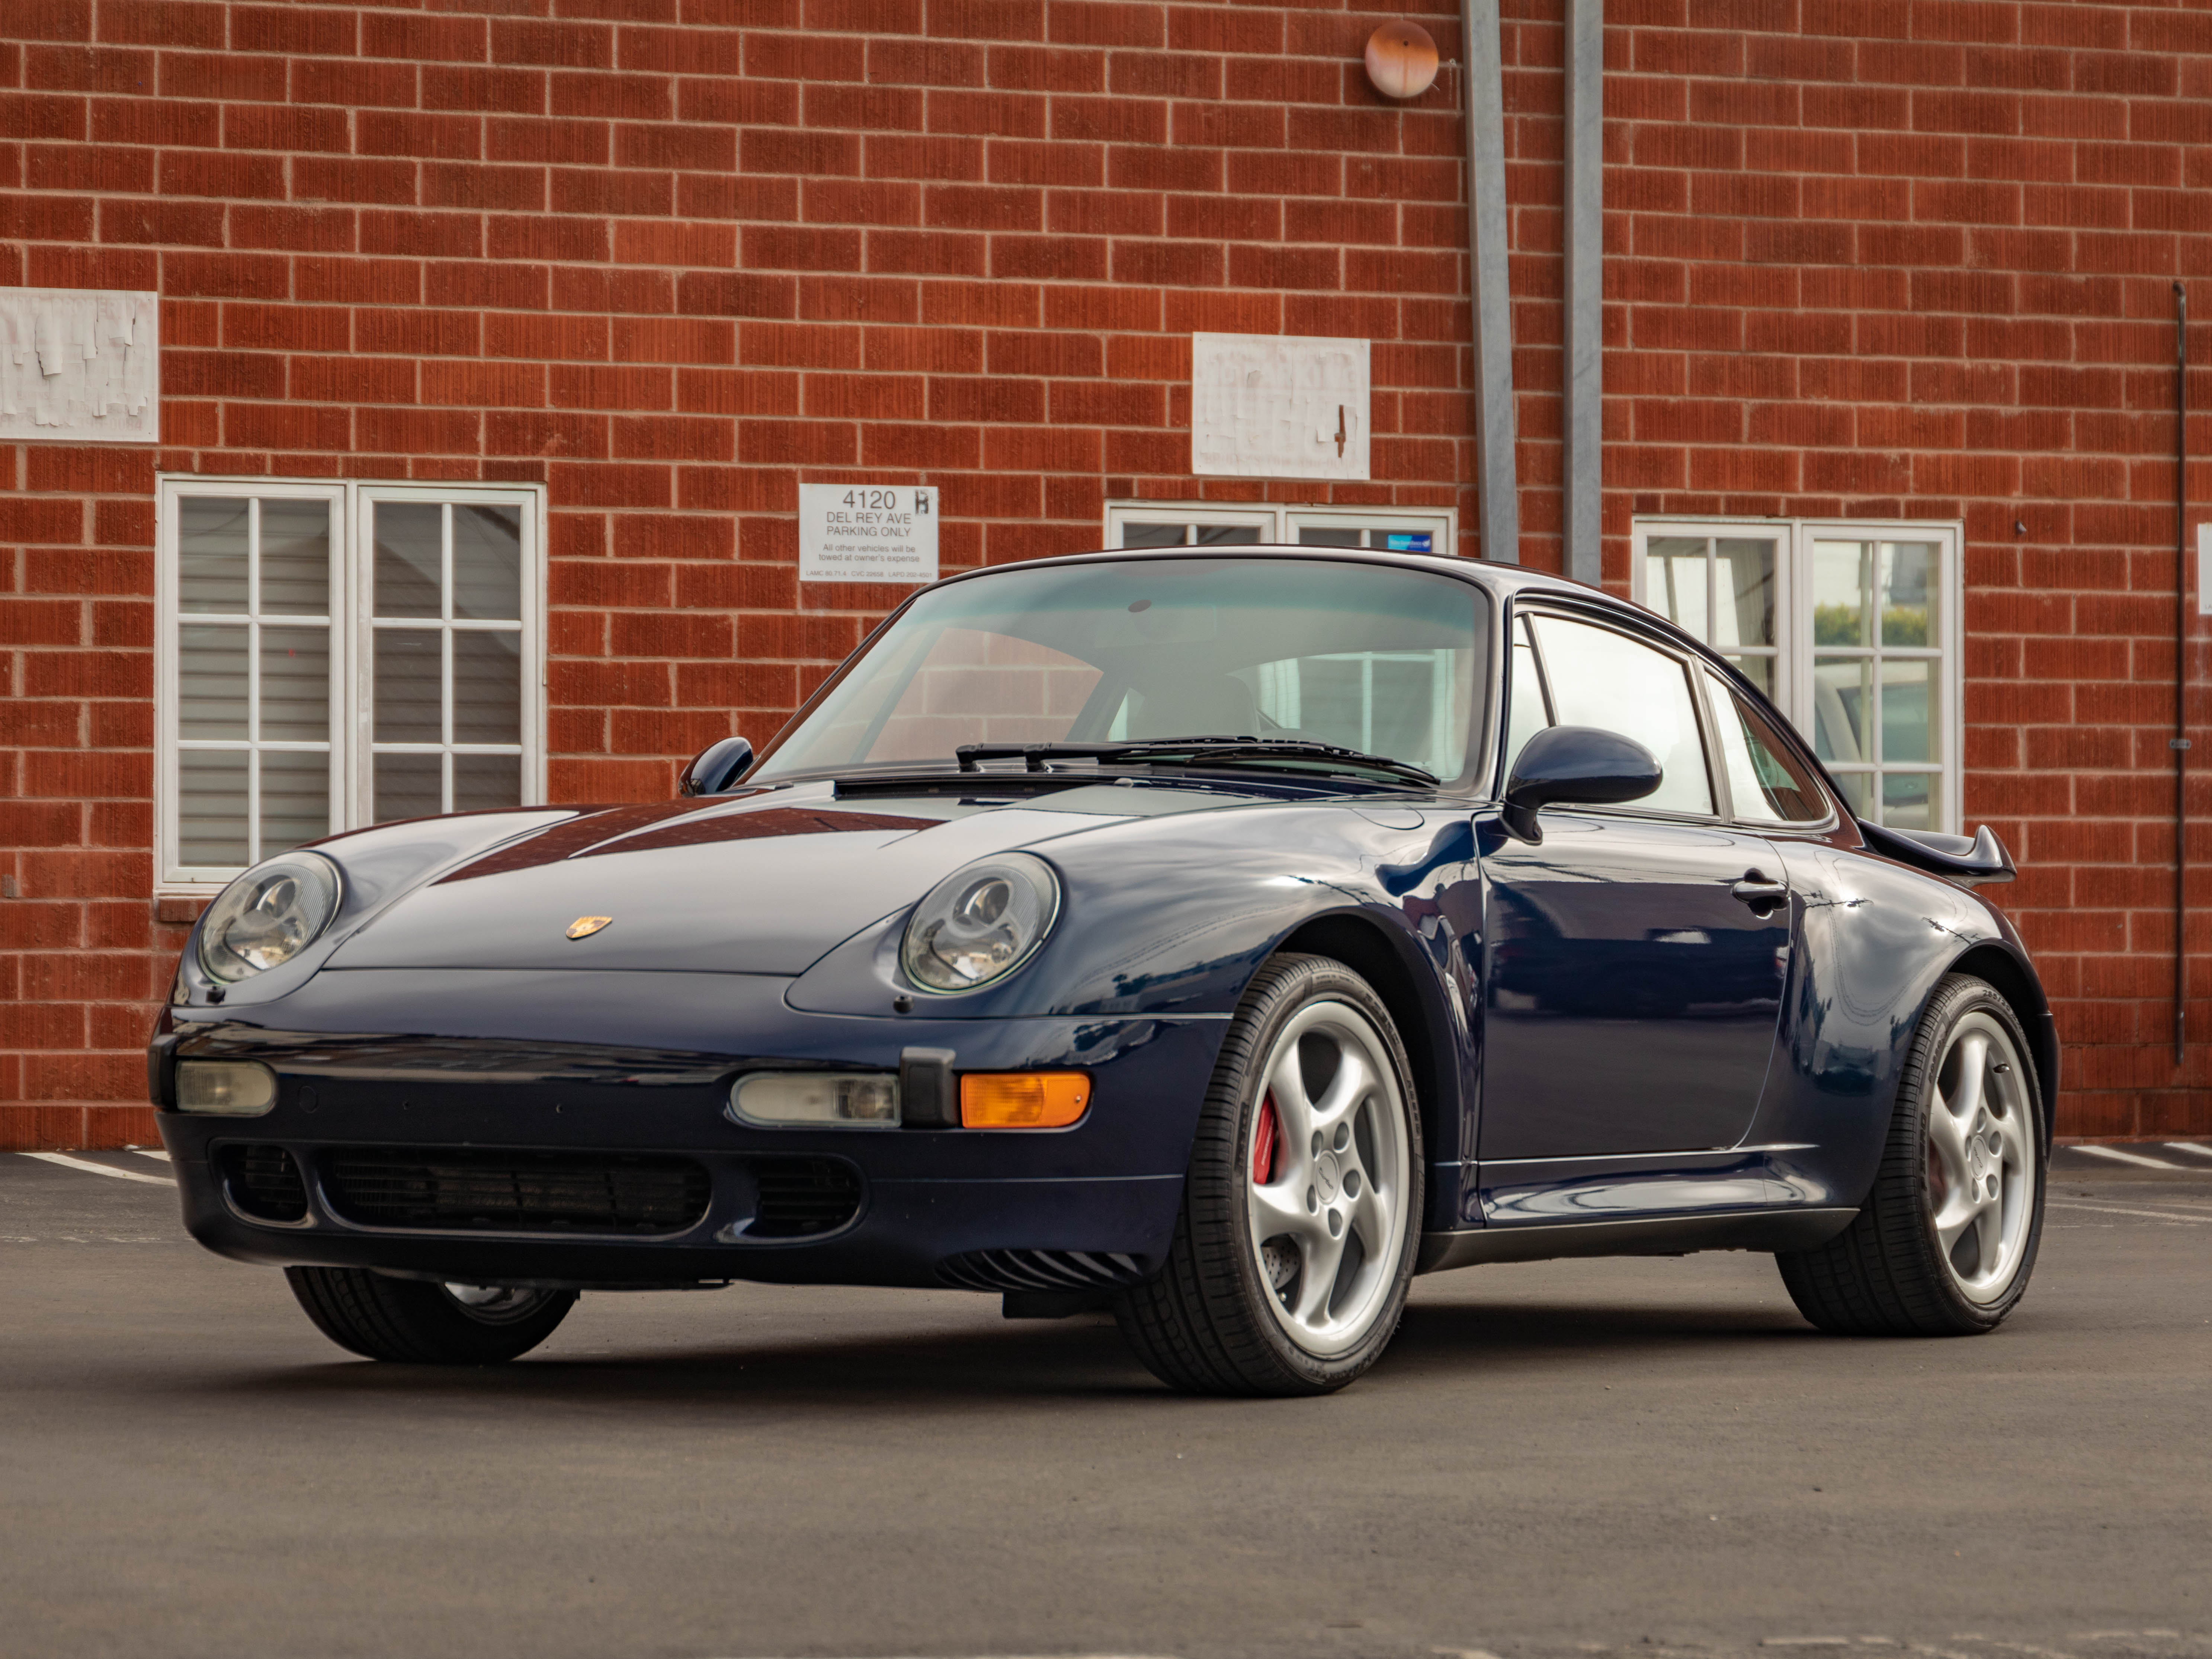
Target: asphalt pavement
x,y
1556,1459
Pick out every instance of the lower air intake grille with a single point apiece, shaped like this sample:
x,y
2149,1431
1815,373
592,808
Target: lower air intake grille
x,y
1040,1270
801,1197
265,1182
443,1191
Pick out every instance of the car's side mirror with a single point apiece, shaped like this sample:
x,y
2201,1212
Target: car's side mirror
x,y
715,768
1574,765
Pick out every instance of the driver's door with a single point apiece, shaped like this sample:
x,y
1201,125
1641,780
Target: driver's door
x,y
1633,961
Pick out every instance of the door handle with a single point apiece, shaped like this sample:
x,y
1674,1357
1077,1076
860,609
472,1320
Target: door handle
x,y
1759,892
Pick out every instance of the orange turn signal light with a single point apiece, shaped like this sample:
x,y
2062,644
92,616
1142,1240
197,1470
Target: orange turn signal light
x,y
1022,1100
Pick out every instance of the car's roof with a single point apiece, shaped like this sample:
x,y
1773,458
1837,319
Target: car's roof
x,y
1503,577
1506,580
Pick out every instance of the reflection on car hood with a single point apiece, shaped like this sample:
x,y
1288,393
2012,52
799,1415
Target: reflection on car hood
x,y
762,883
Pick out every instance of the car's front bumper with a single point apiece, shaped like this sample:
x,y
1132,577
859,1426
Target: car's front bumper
x,y
378,1061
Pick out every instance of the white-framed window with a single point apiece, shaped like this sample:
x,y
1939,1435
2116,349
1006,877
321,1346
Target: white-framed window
x,y
329,655
1852,627
1189,524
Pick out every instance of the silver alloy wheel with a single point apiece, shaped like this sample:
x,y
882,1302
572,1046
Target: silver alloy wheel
x,y
1327,1178
1981,1158
493,1302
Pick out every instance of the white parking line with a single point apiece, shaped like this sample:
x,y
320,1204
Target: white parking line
x,y
69,1162
2189,1147
148,1152
2113,1209
2117,1156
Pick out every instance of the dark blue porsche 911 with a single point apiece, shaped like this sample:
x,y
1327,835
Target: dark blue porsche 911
x,y
1221,937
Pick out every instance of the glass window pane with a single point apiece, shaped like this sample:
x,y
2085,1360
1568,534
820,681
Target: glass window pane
x,y
1767,784
1759,671
1910,801
1842,572
295,684
1674,581
211,553
1227,535
211,808
1842,700
211,680
1312,536
1154,535
1332,702
295,558
1605,679
1167,647
978,685
407,787
1908,594
1911,697
487,687
1525,715
1858,791
1743,573
408,539
484,782
296,798
488,562
1402,707
408,672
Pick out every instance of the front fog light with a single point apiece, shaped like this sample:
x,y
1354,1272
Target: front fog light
x,y
865,1099
224,1088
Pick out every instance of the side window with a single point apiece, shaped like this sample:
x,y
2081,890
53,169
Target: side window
x,y
1766,783
1601,678
1526,714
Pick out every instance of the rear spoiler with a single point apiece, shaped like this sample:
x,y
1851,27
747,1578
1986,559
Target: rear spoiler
x,y
1969,861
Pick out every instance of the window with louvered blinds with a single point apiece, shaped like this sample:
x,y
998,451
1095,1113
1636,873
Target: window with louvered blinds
x,y
340,654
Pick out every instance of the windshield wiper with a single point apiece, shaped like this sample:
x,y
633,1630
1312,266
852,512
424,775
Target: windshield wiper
x,y
1192,751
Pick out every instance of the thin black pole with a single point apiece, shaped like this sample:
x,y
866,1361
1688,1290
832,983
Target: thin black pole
x,y
2180,671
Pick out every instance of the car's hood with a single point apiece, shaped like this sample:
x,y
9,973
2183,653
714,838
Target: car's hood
x,y
762,884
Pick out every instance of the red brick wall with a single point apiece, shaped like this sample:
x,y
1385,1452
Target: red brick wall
x,y
1915,258
673,256
669,259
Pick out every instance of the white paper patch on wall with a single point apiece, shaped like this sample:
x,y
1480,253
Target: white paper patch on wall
x,y
1269,406
80,366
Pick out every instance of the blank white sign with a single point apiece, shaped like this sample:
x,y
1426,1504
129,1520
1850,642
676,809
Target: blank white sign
x,y
867,533
1267,406
80,366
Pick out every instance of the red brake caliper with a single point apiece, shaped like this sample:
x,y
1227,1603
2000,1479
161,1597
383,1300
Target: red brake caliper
x,y
1266,1130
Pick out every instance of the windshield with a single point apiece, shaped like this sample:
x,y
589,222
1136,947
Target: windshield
x,y
1383,660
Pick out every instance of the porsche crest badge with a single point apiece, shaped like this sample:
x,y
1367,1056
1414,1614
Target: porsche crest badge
x,y
585,926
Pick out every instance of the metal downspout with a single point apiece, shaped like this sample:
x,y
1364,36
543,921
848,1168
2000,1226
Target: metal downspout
x,y
1583,520
1496,478
2181,742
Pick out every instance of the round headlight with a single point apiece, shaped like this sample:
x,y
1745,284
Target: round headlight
x,y
268,915
980,924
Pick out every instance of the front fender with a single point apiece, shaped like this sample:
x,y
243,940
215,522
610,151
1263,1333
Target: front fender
x,y
1173,918
377,867
1158,916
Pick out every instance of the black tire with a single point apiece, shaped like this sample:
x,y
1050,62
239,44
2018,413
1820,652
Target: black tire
x,y
412,1321
1885,1274
1203,1324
